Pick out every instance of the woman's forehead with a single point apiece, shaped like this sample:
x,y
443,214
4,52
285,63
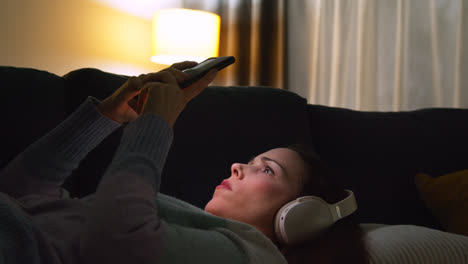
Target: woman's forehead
x,y
283,154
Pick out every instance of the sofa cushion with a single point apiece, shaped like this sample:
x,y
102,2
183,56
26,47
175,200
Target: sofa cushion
x,y
447,197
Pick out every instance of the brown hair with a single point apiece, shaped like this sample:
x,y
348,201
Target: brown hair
x,y
341,243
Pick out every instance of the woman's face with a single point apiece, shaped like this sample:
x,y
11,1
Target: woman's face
x,y
257,190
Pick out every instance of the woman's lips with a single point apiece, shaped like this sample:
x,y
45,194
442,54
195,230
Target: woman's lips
x,y
225,184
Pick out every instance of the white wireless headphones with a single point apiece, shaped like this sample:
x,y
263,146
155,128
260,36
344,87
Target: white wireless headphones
x,y
308,216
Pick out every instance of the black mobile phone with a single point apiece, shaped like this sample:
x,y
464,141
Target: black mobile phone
x,y
197,72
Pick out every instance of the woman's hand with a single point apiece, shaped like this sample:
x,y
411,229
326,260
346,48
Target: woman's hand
x,y
162,95
121,106
159,93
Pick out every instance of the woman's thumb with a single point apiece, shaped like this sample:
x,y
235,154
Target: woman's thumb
x,y
132,88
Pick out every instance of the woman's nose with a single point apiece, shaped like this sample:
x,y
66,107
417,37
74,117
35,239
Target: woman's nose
x,y
237,170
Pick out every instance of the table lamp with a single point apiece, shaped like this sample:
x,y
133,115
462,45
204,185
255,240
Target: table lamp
x,y
184,34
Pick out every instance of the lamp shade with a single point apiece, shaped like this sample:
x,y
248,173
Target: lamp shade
x,y
184,34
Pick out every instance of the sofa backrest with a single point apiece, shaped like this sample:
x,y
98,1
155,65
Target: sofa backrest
x,y
32,103
378,154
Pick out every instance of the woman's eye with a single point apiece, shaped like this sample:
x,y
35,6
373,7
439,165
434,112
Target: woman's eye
x,y
268,170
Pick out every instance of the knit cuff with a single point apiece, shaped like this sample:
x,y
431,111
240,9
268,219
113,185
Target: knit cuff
x,y
143,149
86,128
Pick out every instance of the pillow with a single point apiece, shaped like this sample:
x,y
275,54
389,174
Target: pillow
x,y
447,197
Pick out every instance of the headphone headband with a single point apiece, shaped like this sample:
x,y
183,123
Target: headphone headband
x,y
344,207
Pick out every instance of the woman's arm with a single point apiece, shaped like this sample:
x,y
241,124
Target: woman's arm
x,y
123,223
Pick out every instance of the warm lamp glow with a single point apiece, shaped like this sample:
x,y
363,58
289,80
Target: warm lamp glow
x,y
184,34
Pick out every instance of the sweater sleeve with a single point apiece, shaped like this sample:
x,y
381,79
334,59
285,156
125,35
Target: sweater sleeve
x,y
43,166
123,225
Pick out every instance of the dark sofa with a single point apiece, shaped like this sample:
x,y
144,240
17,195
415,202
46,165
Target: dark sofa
x,y
376,154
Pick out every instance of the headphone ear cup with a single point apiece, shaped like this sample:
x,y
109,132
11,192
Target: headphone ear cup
x,y
302,219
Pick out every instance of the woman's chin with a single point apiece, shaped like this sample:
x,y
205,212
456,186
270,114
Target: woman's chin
x,y
209,207
213,207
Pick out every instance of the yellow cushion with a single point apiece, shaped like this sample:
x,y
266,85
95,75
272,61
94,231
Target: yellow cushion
x,y
447,197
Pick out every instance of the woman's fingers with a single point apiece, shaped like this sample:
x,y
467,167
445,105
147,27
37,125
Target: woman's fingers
x,y
165,79
130,90
117,106
164,75
141,100
196,88
126,92
184,65
176,69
